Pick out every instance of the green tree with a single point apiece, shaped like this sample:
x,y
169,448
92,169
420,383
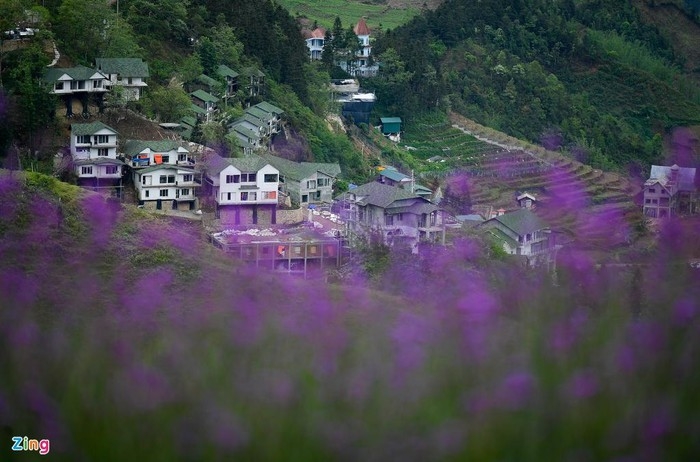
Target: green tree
x,y
83,27
169,103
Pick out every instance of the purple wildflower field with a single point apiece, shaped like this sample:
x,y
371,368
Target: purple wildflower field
x,y
127,337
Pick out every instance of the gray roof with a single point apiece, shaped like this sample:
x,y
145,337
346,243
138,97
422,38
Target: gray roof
x,y
133,147
522,221
153,168
125,67
300,170
99,161
89,128
418,207
686,176
382,195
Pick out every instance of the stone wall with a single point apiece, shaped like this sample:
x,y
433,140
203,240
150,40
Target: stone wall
x,y
290,217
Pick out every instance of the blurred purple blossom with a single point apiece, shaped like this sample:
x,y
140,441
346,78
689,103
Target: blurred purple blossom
x,y
516,390
139,387
581,385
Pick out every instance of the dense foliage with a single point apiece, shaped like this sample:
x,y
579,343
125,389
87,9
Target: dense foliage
x,y
591,71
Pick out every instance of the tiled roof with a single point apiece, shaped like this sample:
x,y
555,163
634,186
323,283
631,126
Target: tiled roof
x,y
503,237
132,147
245,164
300,170
226,71
125,67
522,221
89,128
76,73
99,161
361,27
381,195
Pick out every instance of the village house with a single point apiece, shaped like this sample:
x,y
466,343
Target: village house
x,y
391,128
142,153
82,83
391,215
253,81
206,103
306,182
362,65
166,186
391,176
256,127
93,148
245,189
670,191
127,73
522,233
315,40
526,200
231,78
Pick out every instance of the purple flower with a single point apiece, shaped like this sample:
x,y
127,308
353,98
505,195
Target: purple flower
x,y
516,390
139,388
582,385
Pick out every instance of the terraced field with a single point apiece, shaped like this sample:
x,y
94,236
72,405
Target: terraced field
x,y
594,209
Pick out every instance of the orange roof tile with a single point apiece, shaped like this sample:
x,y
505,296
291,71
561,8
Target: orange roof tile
x,y
361,27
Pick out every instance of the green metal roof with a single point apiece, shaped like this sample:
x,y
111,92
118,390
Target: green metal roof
x,y
188,120
245,164
204,96
270,108
522,221
206,80
252,71
125,67
226,71
99,161
259,113
153,168
390,120
196,109
75,73
133,147
499,235
245,131
90,128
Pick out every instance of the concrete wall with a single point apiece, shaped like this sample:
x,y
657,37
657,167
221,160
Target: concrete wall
x,y
290,217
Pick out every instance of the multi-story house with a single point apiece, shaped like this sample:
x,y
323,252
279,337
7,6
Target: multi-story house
x,y
245,189
315,40
670,191
127,73
82,83
166,186
231,78
253,80
522,233
206,102
257,126
362,65
391,176
391,215
306,182
142,153
93,148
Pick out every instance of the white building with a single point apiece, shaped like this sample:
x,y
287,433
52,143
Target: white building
x,y
128,73
245,189
93,148
166,186
143,153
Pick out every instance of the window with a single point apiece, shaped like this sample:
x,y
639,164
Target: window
x,y
74,85
185,192
111,169
248,177
244,196
311,184
166,159
59,86
148,194
86,170
652,190
187,178
323,182
389,220
182,157
233,178
102,139
270,178
171,178
167,179
304,198
647,201
96,84
83,139
163,193
130,81
102,152
269,194
146,179
399,217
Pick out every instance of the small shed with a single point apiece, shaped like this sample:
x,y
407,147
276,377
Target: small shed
x,y
391,125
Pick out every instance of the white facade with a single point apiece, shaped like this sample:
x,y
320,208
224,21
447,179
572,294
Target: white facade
x,y
147,154
166,183
232,186
100,144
